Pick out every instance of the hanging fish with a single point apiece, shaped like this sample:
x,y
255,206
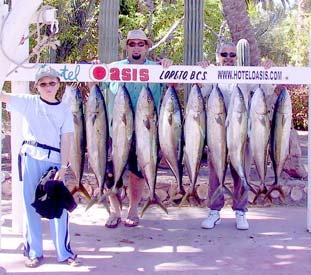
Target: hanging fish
x,y
122,134
170,134
147,143
216,139
236,126
97,138
280,133
73,98
259,136
194,132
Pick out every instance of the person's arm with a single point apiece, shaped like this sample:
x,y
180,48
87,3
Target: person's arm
x,y
5,97
66,140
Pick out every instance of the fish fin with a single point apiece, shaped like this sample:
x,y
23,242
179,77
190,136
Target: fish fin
x,y
170,119
156,201
227,191
74,190
278,188
81,189
84,191
124,120
240,117
248,187
218,192
91,203
218,119
94,119
147,124
261,190
283,120
184,198
244,195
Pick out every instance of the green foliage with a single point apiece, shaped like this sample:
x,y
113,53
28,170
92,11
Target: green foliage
x,y
278,37
299,96
213,18
78,33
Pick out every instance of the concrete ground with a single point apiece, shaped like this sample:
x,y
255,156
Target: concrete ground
x,y
276,243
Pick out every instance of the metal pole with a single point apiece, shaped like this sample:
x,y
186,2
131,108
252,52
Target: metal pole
x,y
3,13
309,145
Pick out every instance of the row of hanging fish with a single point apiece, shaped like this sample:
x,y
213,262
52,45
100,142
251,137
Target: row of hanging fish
x,y
91,135
181,138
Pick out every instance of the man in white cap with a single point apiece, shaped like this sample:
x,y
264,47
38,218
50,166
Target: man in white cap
x,y
137,46
47,131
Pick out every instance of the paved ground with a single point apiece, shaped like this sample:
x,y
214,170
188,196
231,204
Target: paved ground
x,y
276,243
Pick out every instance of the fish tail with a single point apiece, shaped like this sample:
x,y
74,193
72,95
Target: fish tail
x,y
217,193
248,187
156,200
278,188
184,198
90,204
262,190
227,191
81,189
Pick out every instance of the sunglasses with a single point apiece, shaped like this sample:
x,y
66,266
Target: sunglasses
x,y
44,84
139,44
224,54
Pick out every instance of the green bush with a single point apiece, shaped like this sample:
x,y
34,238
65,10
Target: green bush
x,y
299,96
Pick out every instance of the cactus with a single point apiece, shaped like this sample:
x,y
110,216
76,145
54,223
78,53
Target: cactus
x,y
243,53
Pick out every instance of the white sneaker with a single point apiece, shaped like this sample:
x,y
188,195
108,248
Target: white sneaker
x,y
212,219
241,221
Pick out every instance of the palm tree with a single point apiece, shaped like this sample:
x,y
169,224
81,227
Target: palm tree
x,y
240,26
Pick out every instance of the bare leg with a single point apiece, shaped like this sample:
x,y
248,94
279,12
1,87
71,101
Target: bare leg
x,y
135,191
115,212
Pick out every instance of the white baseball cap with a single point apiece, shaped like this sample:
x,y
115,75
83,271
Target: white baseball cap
x,y
46,71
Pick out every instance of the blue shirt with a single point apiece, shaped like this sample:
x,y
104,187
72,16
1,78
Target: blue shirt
x,y
134,88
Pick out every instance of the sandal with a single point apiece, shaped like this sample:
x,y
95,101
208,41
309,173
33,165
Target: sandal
x,y
131,221
32,263
113,222
73,261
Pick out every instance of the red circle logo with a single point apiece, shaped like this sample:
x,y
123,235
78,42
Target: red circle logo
x,y
99,72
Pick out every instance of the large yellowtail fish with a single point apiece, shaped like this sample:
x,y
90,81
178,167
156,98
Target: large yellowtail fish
x,y
194,133
73,98
236,125
170,134
280,133
97,137
259,136
146,133
217,139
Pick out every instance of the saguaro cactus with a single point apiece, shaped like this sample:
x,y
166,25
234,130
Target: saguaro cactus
x,y
243,53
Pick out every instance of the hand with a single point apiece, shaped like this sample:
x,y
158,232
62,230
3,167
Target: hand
x,y
60,174
204,64
95,61
165,62
267,64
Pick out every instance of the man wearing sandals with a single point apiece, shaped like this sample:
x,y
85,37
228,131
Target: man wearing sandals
x,y
137,46
47,132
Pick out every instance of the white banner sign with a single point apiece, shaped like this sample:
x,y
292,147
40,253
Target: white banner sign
x,y
173,74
